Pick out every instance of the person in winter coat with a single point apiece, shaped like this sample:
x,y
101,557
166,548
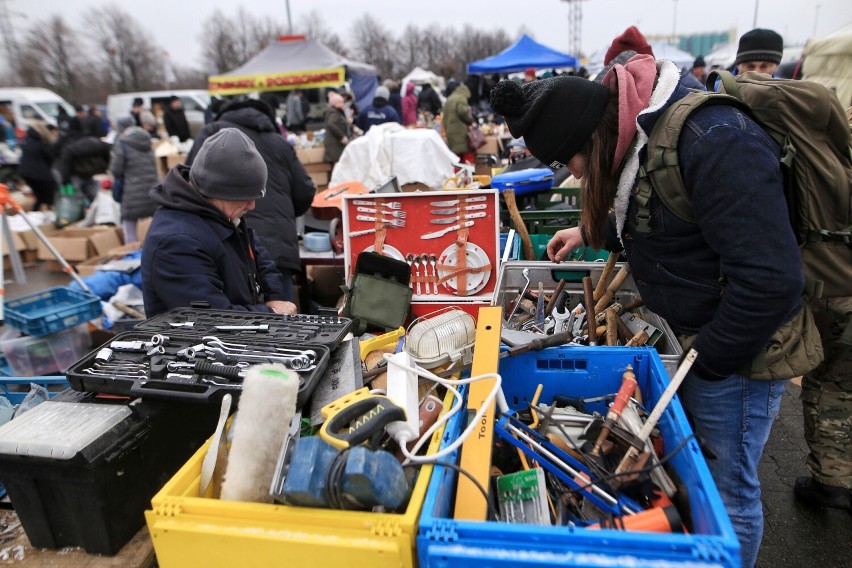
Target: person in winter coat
x,y
133,163
199,248
289,188
729,285
457,120
394,96
379,112
409,106
428,100
81,158
297,116
336,129
36,162
174,119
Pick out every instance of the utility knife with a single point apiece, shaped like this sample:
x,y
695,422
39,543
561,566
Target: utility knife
x,y
443,232
454,202
448,220
455,210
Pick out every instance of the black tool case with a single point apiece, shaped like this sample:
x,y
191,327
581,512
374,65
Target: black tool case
x,y
192,367
83,473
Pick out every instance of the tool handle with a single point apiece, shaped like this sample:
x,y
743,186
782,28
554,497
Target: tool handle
x,y
612,318
360,421
590,310
538,343
607,271
668,394
628,387
613,287
225,371
553,303
512,206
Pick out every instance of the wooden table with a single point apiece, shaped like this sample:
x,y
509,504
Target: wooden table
x,y
15,549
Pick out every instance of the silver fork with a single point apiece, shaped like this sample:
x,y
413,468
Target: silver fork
x,y
397,214
417,272
433,258
392,205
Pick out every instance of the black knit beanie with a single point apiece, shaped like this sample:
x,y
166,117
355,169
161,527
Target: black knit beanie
x,y
555,116
760,45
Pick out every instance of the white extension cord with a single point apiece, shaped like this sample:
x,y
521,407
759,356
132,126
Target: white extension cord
x,y
403,435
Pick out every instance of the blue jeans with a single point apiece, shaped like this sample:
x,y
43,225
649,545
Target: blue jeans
x,y
733,418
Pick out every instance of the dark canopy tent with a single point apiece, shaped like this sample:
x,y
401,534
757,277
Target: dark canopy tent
x,y
294,62
523,54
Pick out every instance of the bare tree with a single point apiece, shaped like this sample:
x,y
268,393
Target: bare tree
x,y
371,43
227,42
314,26
51,56
409,50
130,56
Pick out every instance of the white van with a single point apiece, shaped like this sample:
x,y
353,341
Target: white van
x,y
194,101
21,105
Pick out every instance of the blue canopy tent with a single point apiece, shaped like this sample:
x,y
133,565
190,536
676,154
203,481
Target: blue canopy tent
x,y
524,53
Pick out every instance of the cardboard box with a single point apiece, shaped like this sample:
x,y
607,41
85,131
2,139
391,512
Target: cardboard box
x,y
90,266
493,145
319,179
415,186
79,244
310,155
31,239
323,167
125,249
165,163
142,226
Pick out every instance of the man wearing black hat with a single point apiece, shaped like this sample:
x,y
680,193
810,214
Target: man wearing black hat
x,y
174,119
198,250
136,111
759,50
694,78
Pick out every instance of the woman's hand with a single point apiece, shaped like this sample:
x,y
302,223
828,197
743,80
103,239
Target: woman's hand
x,y
563,242
282,307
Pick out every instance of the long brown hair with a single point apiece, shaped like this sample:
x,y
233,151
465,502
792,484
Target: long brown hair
x,y
599,183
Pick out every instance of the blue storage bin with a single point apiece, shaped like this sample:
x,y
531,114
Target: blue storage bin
x,y
591,371
51,310
524,181
16,388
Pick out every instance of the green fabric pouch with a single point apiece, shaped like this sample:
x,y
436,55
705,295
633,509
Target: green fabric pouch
x,y
379,296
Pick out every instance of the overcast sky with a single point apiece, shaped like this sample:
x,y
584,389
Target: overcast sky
x,y
176,24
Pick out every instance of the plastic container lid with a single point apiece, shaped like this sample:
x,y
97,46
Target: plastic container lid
x,y
59,430
317,242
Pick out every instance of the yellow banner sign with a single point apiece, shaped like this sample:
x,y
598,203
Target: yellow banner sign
x,y
239,84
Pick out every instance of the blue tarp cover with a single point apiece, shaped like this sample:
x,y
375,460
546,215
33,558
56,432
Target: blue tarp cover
x,y
524,53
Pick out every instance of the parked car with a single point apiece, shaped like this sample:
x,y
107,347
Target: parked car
x,y
20,105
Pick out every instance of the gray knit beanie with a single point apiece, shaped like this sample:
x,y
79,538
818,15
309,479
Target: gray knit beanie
x,y
228,166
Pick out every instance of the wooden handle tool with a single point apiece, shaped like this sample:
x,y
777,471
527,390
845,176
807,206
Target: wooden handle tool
x,y
520,226
607,271
590,309
613,287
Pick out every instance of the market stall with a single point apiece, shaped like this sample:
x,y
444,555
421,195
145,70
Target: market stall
x,y
296,62
523,54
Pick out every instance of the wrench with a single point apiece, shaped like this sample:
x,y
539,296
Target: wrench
x,y
212,340
261,327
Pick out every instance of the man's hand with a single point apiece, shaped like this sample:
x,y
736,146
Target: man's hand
x,y
563,242
282,307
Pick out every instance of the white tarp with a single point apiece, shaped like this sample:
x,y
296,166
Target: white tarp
x,y
828,60
411,154
419,76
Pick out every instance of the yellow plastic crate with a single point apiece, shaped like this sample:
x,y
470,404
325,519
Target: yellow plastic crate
x,y
188,530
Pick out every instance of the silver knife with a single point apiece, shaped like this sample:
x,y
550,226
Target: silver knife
x,y
454,210
453,202
443,232
448,220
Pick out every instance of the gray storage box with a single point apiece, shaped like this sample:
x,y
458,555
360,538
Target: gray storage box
x,y
511,280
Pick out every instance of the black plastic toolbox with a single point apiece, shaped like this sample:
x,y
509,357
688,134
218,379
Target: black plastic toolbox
x,y
82,474
166,375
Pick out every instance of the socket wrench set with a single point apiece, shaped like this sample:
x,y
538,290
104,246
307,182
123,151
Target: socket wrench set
x,y
203,361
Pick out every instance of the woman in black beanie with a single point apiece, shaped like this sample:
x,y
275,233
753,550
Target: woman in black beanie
x,y
725,282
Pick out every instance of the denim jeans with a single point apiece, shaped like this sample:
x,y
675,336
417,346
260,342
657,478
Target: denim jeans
x,y
733,417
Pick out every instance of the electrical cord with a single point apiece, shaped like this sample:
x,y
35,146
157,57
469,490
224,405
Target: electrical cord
x,y
402,439
492,509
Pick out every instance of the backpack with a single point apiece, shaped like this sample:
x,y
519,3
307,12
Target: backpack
x,y
807,120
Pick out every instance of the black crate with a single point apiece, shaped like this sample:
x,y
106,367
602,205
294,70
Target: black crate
x,y
96,498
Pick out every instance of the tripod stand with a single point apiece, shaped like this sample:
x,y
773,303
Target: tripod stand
x,y
6,201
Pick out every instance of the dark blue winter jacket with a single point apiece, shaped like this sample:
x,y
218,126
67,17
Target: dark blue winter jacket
x,y
377,113
735,276
192,253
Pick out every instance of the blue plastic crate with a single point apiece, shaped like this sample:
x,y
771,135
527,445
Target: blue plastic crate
x,y
524,181
51,310
443,541
54,385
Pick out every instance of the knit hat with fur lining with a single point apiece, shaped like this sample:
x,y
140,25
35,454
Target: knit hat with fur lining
x,y
228,166
760,45
556,116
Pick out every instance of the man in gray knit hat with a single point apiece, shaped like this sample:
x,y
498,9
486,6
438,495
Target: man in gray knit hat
x,y
198,251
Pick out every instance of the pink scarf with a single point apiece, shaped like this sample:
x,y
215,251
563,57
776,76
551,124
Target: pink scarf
x,y
635,81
